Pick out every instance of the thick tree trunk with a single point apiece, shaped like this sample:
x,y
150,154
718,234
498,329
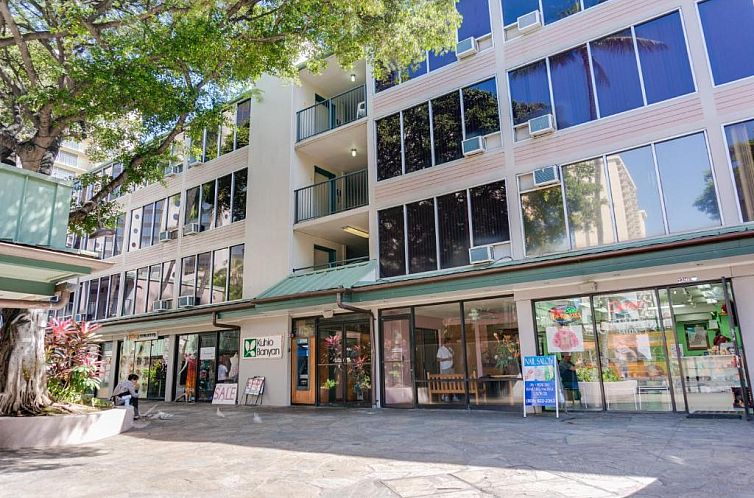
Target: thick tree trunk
x,y
23,380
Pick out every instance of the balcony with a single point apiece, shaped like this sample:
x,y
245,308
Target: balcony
x,y
332,113
340,194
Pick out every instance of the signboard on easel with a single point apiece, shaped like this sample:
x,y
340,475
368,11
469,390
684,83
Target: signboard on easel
x,y
541,382
254,387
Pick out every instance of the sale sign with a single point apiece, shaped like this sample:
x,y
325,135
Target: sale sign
x,y
225,394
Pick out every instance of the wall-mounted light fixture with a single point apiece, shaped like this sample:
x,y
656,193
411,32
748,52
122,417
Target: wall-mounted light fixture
x,y
353,78
353,152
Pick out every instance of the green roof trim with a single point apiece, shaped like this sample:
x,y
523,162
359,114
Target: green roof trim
x,y
341,277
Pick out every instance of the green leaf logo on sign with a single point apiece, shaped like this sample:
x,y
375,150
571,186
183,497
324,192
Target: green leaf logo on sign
x,y
249,348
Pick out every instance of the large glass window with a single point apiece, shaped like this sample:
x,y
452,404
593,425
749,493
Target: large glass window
x,y
153,294
173,212
192,206
489,214
167,289
416,139
530,92
188,276
589,215
513,9
420,236
480,112
223,201
235,284
240,181
103,292
729,38
129,293
208,206
389,162
440,60
142,285
147,222
159,210
220,275
120,227
555,10
453,227
688,184
476,18
635,194
210,144
572,87
664,59
544,221
740,138
446,127
203,277
114,295
392,242
617,75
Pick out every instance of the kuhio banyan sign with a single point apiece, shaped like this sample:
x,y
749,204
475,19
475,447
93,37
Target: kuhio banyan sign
x,y
263,347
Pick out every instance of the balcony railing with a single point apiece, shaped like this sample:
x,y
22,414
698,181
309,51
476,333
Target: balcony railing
x,y
332,196
333,264
332,113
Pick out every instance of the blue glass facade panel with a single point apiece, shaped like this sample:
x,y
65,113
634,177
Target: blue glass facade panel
x,y
729,34
616,74
530,94
476,18
513,9
572,88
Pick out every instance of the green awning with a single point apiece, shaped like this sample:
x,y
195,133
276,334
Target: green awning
x,y
341,277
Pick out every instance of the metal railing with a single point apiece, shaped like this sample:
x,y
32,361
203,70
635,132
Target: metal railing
x,y
339,194
331,113
333,264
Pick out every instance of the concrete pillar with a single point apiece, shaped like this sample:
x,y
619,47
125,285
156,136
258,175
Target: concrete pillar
x,y
171,361
527,331
743,292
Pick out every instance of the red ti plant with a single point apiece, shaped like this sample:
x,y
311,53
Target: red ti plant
x,y
73,363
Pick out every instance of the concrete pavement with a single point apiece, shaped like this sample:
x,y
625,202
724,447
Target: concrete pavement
x,y
243,451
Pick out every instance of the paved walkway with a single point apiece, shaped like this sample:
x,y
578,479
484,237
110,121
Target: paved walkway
x,y
301,452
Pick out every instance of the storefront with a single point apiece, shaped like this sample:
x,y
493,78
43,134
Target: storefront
x,y
674,348
204,360
463,354
147,357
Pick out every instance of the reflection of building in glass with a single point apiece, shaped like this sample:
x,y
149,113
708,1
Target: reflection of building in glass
x,y
630,219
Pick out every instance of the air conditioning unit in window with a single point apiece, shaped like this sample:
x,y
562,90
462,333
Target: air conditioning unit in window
x,y
546,176
529,22
162,305
466,48
80,317
472,146
481,254
166,235
187,301
192,229
172,170
541,125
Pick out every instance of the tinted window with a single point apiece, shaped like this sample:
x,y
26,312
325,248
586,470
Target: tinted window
x,y
129,289
153,294
389,147
203,277
480,112
188,276
146,225
741,150
415,70
392,242
118,238
208,205
210,144
616,74
157,225
687,183
489,214
453,227
592,3
168,280
664,59
420,235
113,299
513,9
635,194
416,140
544,221
222,216
173,212
388,81
572,87
235,284
219,275
436,61
476,18
446,127
589,215
240,186
192,206
554,10
530,92
729,36
142,284
243,119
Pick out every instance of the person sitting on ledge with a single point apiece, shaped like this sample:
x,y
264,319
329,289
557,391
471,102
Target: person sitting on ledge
x,y
127,393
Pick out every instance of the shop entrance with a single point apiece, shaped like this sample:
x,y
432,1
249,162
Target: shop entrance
x,y
148,359
205,360
665,349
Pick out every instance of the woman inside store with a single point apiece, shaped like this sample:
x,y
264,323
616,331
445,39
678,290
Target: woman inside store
x,y
569,378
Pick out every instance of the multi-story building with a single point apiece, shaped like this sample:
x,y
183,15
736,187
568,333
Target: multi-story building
x,y
575,179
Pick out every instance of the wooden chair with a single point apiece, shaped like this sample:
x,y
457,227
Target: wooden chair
x,y
450,384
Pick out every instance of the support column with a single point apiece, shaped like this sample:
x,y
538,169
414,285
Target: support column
x,y
743,293
527,332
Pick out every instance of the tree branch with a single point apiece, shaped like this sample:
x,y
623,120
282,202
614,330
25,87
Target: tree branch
x,y
20,43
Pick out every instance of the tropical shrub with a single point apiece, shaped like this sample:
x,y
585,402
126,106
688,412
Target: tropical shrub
x,y
72,360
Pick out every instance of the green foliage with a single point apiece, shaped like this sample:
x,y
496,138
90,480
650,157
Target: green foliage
x,y
589,374
131,77
72,361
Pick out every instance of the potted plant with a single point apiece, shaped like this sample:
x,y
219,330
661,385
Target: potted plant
x,y
589,384
327,391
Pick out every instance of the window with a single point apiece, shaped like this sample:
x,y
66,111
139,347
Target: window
x,y
663,72
167,286
530,92
476,19
453,228
208,206
243,123
142,286
581,213
103,292
240,179
235,284
220,261
159,211
664,59
392,242
147,221
129,293
420,236
228,132
489,214
135,237
188,276
389,162
120,226
203,277
112,309
67,158
480,112
553,10
416,139
688,183
740,139
153,292
192,206
446,127
513,9
727,26
210,144
173,212
223,201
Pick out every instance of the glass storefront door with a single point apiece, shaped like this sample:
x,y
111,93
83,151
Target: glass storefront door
x,y
344,362
205,359
148,359
207,366
396,362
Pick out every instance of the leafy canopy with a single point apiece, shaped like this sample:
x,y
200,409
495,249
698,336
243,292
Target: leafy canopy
x,y
129,76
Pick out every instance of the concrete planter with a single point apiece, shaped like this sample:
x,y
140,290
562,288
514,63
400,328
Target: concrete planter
x,y
63,430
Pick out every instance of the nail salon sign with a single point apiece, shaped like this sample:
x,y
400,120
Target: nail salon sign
x,y
263,347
